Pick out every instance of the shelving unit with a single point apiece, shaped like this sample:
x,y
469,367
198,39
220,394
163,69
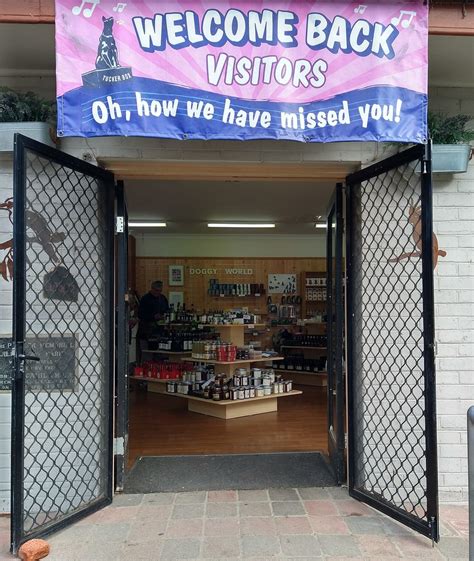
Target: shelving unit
x,y
170,353
303,347
304,378
223,409
234,333
308,305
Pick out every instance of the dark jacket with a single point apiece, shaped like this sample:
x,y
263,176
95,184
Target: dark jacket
x,y
149,307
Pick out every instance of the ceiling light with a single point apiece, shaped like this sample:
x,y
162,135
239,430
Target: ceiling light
x,y
322,225
247,225
147,224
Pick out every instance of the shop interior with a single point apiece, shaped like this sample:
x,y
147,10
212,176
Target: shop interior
x,y
238,362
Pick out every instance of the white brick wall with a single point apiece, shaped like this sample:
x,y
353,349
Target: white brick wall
x,y
454,296
6,186
453,209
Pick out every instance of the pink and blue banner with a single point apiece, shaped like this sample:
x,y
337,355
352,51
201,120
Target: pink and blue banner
x,y
313,71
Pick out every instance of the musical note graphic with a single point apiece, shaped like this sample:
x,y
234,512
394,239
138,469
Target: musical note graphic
x,y
360,10
86,12
401,18
120,7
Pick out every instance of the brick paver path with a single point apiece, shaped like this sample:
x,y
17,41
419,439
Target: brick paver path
x,y
291,524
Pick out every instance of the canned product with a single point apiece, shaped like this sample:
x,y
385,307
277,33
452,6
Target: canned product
x,y
247,392
252,391
259,391
267,390
241,393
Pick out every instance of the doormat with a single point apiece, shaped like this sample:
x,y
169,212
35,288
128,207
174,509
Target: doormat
x,y
173,474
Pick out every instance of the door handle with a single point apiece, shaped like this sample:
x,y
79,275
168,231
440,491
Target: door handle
x,y
29,357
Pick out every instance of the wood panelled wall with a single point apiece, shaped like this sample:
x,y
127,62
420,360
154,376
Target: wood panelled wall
x,y
195,287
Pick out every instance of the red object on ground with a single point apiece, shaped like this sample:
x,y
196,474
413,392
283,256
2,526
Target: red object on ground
x,y
33,550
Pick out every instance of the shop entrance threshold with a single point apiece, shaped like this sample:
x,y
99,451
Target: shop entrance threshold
x,y
162,474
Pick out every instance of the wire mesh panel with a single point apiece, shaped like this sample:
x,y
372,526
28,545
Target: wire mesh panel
x,y
391,363
62,402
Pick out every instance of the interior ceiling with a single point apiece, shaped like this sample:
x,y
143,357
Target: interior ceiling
x,y
187,207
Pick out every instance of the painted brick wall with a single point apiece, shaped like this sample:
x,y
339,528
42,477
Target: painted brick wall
x,y
454,308
6,179
453,207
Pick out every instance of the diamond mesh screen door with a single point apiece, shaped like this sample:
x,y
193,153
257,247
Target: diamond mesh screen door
x,y
62,333
335,330
392,424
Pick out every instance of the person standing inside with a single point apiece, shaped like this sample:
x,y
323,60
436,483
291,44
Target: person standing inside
x,y
153,307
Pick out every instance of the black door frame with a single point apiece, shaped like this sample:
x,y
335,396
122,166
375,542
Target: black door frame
x,y
121,373
21,145
335,333
419,155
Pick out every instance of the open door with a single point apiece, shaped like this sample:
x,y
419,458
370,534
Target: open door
x,y
335,330
391,254
123,313
62,390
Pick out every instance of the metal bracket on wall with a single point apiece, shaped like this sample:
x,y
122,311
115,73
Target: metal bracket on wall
x,y
120,225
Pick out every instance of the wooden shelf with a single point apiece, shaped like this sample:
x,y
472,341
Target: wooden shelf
x,y
303,347
268,359
219,325
303,378
161,352
226,296
227,409
319,373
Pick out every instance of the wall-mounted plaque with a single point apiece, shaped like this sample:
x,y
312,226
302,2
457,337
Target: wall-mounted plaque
x,y
55,371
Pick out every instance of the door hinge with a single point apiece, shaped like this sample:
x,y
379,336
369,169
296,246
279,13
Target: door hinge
x,y
119,228
119,446
433,526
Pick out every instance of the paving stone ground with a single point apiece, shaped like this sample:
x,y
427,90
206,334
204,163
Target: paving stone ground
x,y
290,524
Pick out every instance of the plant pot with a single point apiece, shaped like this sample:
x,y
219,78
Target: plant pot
x,y
450,158
35,130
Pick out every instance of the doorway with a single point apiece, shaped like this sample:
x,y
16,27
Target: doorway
x,y
262,290
393,196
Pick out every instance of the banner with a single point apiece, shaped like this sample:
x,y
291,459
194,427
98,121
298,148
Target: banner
x,y
247,69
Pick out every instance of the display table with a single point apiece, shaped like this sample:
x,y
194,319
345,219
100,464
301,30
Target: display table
x,y
222,409
228,368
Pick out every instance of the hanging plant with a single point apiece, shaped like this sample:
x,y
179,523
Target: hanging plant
x,y
16,107
450,130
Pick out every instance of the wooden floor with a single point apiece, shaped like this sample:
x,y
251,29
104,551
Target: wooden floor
x,y
161,425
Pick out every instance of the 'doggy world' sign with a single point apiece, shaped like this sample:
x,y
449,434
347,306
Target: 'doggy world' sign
x,y
212,69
